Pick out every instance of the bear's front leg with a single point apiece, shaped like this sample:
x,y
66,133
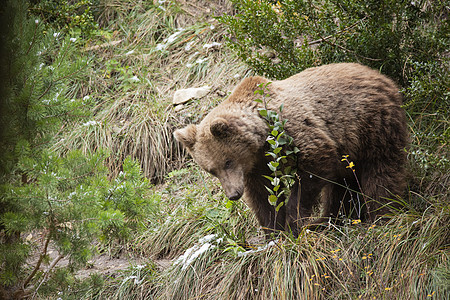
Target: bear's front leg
x,y
305,194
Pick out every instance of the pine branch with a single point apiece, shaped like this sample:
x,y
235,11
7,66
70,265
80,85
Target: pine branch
x,y
38,264
50,268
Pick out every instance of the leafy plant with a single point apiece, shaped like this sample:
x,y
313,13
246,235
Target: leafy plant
x,y
279,40
74,17
281,150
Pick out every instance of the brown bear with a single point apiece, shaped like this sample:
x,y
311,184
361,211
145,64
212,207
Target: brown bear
x,y
331,111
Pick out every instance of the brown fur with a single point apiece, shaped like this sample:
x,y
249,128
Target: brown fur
x,y
332,110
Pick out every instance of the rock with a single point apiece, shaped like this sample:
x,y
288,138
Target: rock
x,y
184,95
221,93
178,107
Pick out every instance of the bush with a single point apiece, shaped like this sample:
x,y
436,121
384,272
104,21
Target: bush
x,y
279,40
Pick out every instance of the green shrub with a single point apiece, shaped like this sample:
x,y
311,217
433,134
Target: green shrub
x,y
279,40
75,17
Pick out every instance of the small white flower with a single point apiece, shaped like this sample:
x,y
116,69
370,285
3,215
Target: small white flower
x,y
173,36
201,60
90,123
134,79
160,47
213,44
86,98
189,46
212,27
73,40
36,21
56,34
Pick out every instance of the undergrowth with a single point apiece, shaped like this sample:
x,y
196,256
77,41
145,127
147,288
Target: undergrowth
x,y
139,54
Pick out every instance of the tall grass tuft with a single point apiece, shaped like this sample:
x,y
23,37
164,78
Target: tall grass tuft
x,y
129,127
405,259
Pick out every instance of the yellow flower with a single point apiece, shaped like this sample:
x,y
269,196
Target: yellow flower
x,y
354,222
350,165
322,258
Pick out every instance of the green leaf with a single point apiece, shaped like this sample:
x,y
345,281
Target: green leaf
x,y
268,177
274,156
258,100
280,158
263,112
271,167
279,206
229,204
276,188
287,170
273,200
275,181
277,150
274,132
269,190
271,141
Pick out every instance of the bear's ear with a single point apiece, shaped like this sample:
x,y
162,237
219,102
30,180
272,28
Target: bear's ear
x,y
220,128
186,136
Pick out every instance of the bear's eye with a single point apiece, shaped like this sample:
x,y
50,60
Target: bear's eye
x,y
228,164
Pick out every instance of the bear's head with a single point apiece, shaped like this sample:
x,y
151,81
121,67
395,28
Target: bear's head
x,y
227,146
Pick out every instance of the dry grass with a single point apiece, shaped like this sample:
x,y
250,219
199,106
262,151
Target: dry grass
x,y
405,259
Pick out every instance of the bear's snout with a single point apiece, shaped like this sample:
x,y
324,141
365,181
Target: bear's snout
x,y
235,195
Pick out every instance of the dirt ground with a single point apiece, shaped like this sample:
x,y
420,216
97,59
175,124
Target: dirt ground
x,y
103,263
